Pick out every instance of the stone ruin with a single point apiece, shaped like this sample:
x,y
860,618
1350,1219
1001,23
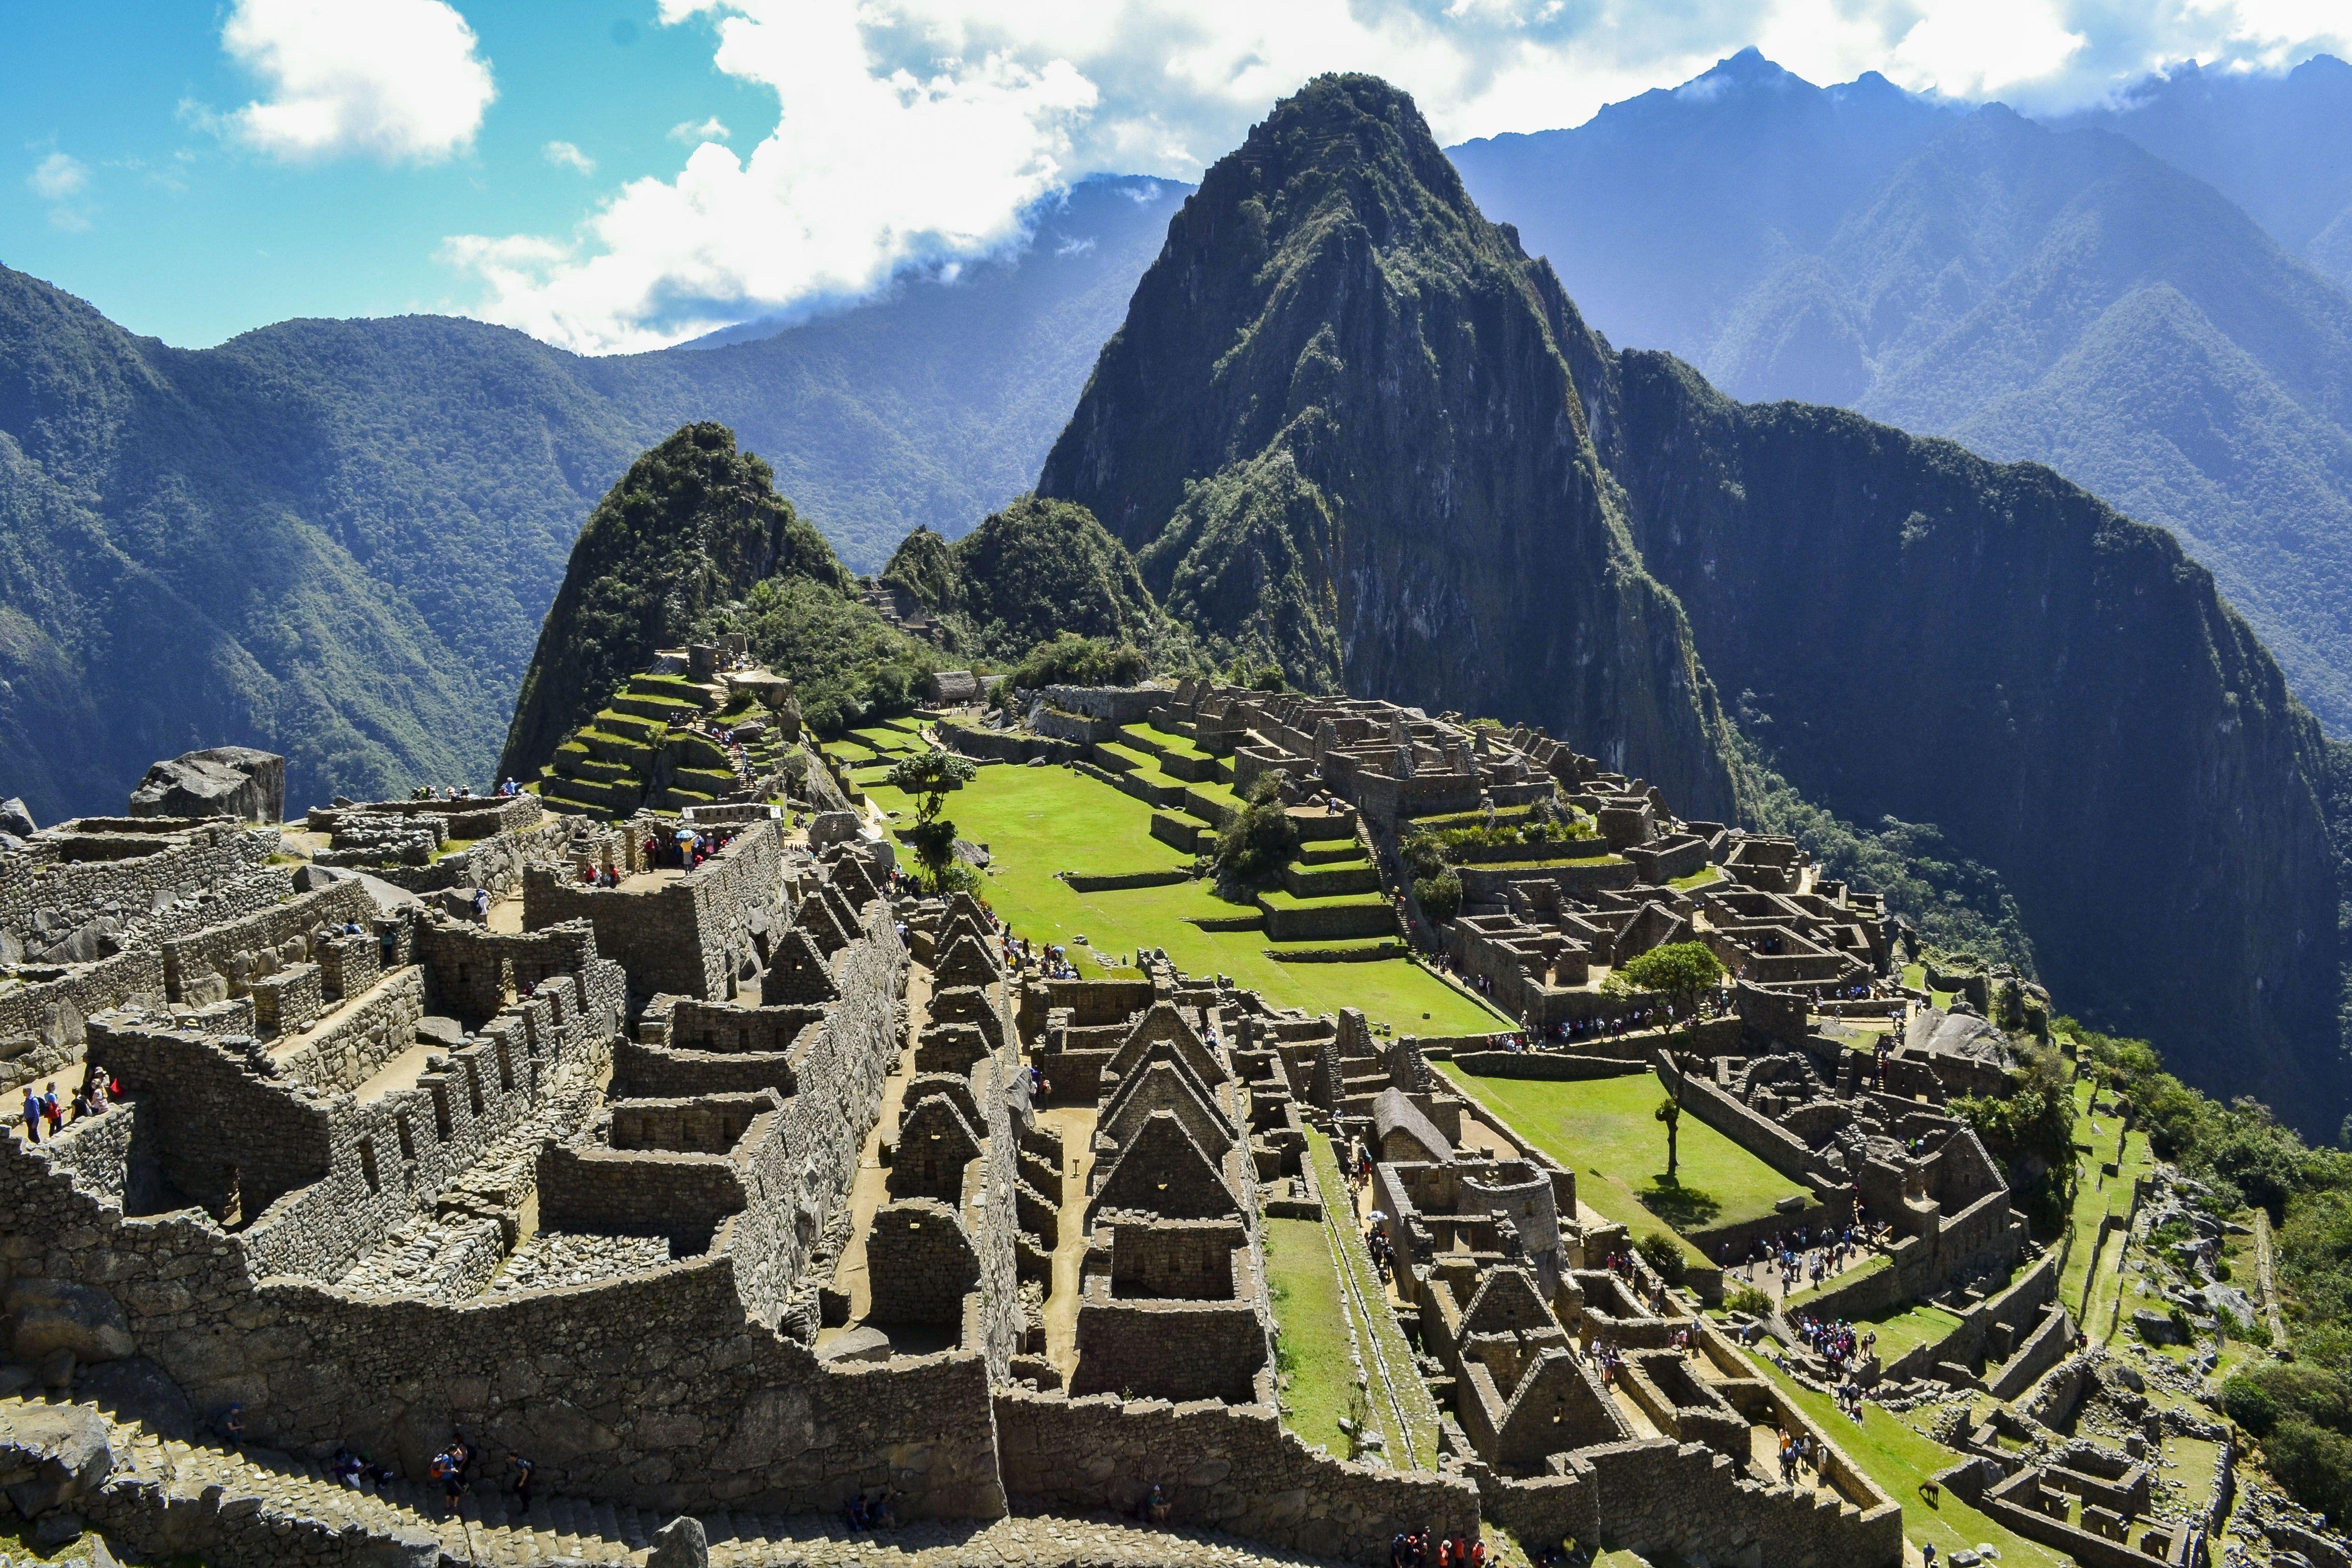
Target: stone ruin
x,y
725,1192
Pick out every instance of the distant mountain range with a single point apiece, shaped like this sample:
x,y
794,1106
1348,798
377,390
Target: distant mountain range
x,y
2066,295
338,540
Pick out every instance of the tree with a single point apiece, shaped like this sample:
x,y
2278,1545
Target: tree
x,y
1260,839
1670,1111
1682,973
929,775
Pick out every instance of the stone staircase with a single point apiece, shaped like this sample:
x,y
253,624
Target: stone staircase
x,y
265,1489
901,609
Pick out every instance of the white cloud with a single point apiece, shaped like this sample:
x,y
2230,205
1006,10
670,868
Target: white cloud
x,y
58,178
395,79
61,179
870,165
711,130
918,129
564,155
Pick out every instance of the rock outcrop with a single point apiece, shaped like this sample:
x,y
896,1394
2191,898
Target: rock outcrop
x,y
226,781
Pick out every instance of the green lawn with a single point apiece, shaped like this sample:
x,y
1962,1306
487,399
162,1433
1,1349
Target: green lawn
x,y
1419,1448
1706,876
1314,1347
1038,821
1605,1130
1899,1331
1898,1457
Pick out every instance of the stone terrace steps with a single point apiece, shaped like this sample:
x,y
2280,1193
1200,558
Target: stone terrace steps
x,y
489,1531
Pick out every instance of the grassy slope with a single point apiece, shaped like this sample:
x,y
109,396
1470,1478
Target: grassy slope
x,y
1420,1408
1306,1308
1038,821
1604,1129
1898,1457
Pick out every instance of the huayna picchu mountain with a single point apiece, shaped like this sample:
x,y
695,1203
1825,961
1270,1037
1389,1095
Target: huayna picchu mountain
x,y
1337,428
1347,422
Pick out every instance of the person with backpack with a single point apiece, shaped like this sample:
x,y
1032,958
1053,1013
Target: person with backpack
x,y
32,1114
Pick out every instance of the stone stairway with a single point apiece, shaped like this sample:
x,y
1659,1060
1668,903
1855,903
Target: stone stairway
x,y
268,1488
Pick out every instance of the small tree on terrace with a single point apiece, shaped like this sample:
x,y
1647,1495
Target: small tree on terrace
x,y
929,775
1682,973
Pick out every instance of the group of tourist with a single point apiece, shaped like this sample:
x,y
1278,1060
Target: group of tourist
x,y
1412,1549
683,850
1837,1341
1797,1452
1803,1258
44,1108
870,1513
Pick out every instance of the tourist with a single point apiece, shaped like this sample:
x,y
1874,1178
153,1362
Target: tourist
x,y
1155,1509
52,1112
345,1467
520,1474
230,1427
32,1114
857,1513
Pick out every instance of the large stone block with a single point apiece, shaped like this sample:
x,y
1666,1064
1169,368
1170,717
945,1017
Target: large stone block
x,y
49,1315
226,781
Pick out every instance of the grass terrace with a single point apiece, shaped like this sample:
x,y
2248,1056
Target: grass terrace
x,y
1899,1457
1605,1130
1038,821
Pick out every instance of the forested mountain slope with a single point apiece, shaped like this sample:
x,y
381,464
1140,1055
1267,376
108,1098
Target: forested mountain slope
x,y
336,540
2060,296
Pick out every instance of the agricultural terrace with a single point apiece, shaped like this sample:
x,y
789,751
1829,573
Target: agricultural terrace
x,y
1036,821
1607,1129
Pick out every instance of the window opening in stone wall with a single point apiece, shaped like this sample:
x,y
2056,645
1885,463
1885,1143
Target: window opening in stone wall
x,y
474,1086
506,1068
441,1111
407,1134
367,1165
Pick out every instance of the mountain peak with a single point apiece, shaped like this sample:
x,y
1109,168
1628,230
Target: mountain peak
x,y
1747,70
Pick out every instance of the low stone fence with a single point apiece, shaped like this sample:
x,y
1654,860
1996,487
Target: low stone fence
x,y
1555,1067
1225,1467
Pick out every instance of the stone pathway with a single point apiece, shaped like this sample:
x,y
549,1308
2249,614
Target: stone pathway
x,y
868,1189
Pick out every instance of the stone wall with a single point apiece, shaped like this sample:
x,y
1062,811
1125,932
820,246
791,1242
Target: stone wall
x,y
151,864
369,1031
42,1022
214,961
1230,1468
919,1263
1656,1496
691,937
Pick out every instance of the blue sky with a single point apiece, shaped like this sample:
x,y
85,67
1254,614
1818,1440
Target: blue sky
x,y
196,170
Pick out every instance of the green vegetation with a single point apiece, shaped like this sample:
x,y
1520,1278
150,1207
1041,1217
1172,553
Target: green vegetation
x,y
847,665
338,540
1602,1128
1319,1384
928,775
2031,1130
1033,572
1419,1410
694,523
1069,659
1260,839
2301,1412
1900,1458
1035,821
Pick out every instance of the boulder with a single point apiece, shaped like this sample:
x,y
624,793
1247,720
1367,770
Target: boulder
x,y
2157,1329
51,1315
226,781
52,1454
14,819
441,1031
310,878
136,1389
680,1543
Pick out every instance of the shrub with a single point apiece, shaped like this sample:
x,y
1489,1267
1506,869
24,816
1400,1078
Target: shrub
x,y
1748,1299
1439,897
1660,1252
1070,659
1262,839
